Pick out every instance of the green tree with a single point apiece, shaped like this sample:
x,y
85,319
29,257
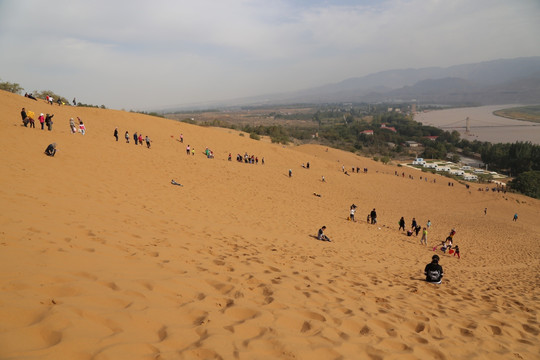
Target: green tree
x,y
11,87
527,183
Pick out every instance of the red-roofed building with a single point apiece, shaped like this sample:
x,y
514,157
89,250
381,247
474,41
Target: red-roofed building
x,y
367,132
383,126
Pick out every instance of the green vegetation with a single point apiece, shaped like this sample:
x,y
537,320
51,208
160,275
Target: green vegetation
x,y
528,183
513,158
254,136
11,87
525,113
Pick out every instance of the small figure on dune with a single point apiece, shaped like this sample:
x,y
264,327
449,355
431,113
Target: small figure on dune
x,y
373,216
41,119
140,139
351,212
115,132
82,128
127,137
147,140
136,138
290,173
72,126
49,122
515,217
402,224
433,271
51,149
423,240
413,224
321,236
24,117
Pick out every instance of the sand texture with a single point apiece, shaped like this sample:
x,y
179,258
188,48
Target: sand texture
x,y
102,258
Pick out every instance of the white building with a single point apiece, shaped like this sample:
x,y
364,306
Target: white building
x,y
470,177
457,172
418,161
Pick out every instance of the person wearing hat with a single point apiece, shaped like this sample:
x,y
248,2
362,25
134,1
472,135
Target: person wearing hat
x,y
434,271
41,119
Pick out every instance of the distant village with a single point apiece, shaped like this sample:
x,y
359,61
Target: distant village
x,y
465,172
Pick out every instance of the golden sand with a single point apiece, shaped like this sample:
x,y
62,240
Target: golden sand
x,y
102,258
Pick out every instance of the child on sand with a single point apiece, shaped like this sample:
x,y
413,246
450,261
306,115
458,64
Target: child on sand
x,y
456,252
423,240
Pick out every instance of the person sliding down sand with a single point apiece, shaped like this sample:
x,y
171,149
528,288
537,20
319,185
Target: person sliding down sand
x,y
321,235
433,271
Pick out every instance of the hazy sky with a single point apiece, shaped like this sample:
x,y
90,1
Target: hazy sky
x,y
146,54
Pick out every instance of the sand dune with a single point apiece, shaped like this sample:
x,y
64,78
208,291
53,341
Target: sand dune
x,y
102,258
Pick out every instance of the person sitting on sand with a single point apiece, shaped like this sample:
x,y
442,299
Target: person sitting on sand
x,y
51,149
433,271
321,236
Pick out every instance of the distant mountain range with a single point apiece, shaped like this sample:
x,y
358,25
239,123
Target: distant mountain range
x,y
504,81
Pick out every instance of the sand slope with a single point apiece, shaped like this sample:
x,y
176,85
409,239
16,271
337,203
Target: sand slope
x,y
102,258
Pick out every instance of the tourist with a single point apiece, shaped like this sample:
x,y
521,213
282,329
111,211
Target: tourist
x,y
51,149
433,271
515,217
136,138
147,140
127,137
413,224
115,130
24,117
321,236
373,215
401,224
72,126
82,128
49,122
41,119
423,240
352,211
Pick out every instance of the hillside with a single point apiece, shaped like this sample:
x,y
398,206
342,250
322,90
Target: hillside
x,y
102,258
503,81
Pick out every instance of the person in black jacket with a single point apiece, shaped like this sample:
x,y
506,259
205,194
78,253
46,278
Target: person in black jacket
x,y
402,224
51,149
373,216
433,271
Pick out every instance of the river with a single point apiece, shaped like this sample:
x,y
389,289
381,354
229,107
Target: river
x,y
483,125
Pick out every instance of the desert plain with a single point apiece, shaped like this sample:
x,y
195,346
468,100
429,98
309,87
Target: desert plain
x,y
101,257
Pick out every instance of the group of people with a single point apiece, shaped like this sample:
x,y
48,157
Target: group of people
x,y
73,128
29,121
247,159
137,138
